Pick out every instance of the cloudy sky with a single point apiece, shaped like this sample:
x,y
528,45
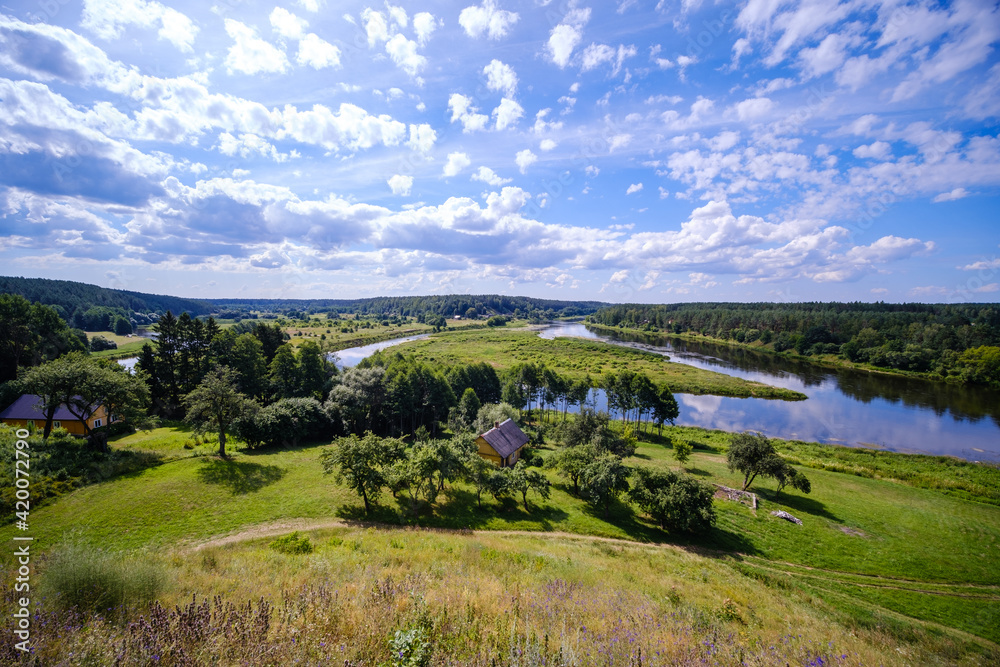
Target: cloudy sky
x,y
623,151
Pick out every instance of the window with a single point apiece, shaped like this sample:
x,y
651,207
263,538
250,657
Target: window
x,y
56,424
98,423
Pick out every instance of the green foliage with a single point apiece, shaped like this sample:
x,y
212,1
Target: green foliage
x,y
410,648
95,581
678,502
571,461
31,334
363,463
682,451
922,338
100,343
293,544
216,404
493,413
605,479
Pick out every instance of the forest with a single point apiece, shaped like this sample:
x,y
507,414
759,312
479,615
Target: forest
x,y
944,341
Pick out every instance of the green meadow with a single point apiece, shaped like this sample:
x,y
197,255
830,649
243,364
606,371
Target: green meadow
x,y
888,571
575,359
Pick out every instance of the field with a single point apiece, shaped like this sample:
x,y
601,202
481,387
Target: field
x,y
880,572
576,358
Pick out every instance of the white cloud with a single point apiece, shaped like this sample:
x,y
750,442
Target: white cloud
x,y
632,189
487,18
400,185
878,150
317,53
463,112
422,137
508,113
501,77
287,24
403,52
596,54
456,163
753,109
376,26
106,18
982,265
547,145
249,53
525,159
490,177
567,35
619,141
957,193
308,5
424,25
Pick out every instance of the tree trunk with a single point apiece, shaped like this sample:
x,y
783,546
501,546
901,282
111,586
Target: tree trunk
x,y
222,442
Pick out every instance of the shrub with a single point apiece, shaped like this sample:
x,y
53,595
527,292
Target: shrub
x,y
293,543
676,501
98,581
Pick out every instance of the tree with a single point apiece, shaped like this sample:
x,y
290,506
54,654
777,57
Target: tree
x,y
604,479
753,454
363,463
468,408
82,385
247,358
682,451
521,479
216,403
677,502
283,373
571,461
493,413
479,472
665,409
314,370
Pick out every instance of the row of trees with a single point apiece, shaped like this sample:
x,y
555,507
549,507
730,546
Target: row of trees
x,y
957,341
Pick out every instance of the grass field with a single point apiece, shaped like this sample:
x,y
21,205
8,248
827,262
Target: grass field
x,y
878,558
576,358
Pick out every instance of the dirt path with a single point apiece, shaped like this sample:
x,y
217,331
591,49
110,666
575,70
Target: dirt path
x,y
276,528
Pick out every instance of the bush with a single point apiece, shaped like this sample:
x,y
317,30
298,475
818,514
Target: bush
x,y
293,543
676,501
99,581
100,343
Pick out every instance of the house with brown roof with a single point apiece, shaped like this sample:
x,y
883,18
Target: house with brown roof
x,y
27,412
502,444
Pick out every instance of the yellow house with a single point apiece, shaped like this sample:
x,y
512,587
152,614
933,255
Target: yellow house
x,y
502,444
26,412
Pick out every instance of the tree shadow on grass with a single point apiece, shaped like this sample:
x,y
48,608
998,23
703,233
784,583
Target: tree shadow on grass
x,y
240,477
699,472
457,509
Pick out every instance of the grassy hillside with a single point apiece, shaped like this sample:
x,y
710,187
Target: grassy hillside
x,y
911,572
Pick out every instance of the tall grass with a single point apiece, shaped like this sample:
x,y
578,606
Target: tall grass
x,y
91,580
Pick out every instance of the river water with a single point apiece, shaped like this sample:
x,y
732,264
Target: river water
x,y
845,407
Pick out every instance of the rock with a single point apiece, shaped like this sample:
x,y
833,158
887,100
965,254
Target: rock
x,y
781,514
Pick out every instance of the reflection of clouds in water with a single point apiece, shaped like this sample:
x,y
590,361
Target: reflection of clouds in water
x,y
701,404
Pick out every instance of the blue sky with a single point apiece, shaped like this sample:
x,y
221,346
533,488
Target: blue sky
x,y
631,151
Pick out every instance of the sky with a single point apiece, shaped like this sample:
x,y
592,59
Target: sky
x,y
629,151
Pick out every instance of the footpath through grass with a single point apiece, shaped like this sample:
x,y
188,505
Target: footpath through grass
x,y
576,358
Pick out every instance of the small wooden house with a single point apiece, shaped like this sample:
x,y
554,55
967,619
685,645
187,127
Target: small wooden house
x,y
502,444
27,412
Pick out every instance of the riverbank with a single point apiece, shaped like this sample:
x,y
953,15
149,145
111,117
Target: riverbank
x,y
577,359
825,360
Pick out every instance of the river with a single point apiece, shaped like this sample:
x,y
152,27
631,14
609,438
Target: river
x,y
845,406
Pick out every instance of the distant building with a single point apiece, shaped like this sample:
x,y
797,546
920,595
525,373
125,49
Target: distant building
x,y
27,412
502,444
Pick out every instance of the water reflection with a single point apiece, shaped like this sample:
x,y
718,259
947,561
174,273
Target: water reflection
x,y
845,406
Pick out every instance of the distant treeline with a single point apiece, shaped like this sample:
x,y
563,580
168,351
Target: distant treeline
x,y
94,308
945,340
462,305
69,297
